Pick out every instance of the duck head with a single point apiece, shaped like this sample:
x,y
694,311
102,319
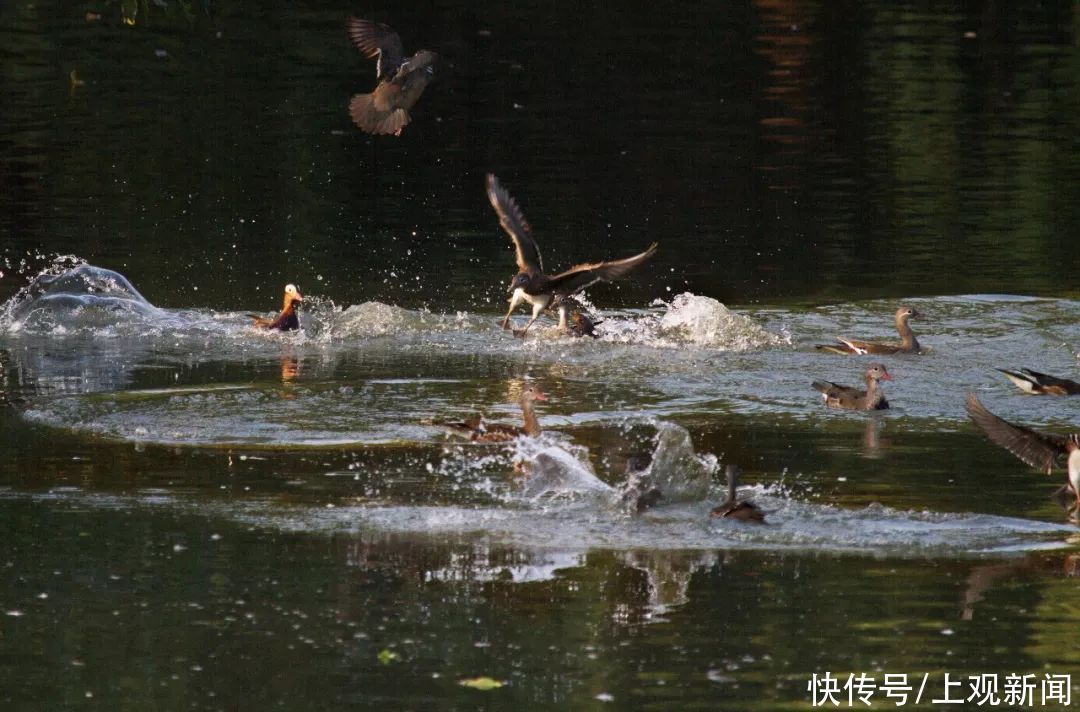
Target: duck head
x,y
877,372
532,393
905,313
521,280
424,59
292,296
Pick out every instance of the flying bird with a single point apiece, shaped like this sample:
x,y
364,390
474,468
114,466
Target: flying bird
x,y
401,80
531,284
1039,450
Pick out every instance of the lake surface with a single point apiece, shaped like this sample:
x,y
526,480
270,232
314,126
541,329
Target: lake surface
x,y
198,515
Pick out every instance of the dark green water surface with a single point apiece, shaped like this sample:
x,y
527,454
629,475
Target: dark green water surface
x,y
198,516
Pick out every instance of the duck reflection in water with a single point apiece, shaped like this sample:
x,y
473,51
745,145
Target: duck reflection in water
x,y
667,582
290,367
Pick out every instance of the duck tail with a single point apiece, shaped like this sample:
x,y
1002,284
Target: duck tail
x,y
1021,380
834,349
370,118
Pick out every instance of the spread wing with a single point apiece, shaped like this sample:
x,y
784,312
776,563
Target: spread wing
x,y
577,278
512,220
1040,450
375,39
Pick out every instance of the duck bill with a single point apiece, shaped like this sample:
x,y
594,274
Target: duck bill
x,y
886,377
541,396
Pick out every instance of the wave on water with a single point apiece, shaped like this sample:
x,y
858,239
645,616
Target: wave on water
x,y
71,297
581,525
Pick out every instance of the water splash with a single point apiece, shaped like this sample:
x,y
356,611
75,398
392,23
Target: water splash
x,y
57,297
692,320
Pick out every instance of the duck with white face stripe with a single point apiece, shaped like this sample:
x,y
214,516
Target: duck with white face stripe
x,y
288,319
531,284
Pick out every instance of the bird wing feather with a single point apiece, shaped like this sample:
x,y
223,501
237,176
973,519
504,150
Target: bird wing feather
x,y
1039,450
375,39
582,276
517,227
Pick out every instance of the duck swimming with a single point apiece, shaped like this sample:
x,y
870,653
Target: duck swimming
x,y
288,319
908,343
1037,449
479,431
531,284
401,81
1041,384
745,511
873,398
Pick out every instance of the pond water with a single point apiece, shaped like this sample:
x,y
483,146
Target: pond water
x,y
199,515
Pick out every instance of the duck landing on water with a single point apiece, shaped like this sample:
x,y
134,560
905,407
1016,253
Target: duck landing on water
x,y
873,398
477,430
745,511
908,343
286,320
531,284
1041,384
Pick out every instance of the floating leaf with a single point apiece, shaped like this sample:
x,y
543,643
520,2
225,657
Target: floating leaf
x,y
387,656
482,683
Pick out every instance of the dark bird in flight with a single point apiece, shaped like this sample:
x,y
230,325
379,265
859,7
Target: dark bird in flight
x,y
1039,450
531,284
401,80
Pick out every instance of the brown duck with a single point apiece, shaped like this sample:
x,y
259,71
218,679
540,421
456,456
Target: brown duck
x,y
531,284
288,319
1039,450
578,323
479,431
873,398
908,343
401,80
745,511
1041,384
